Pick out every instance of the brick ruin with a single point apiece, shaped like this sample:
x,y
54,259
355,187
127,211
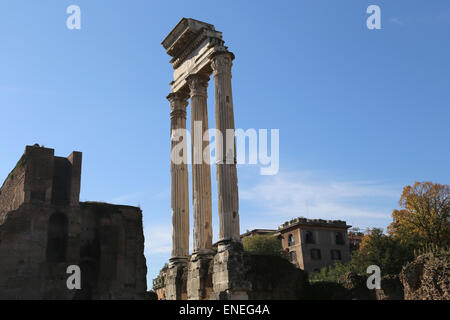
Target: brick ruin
x,y
44,229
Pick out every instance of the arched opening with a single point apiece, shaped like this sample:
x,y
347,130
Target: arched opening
x,y
291,240
57,238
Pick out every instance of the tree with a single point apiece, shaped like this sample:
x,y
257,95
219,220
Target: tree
x,y
424,217
262,244
381,250
422,220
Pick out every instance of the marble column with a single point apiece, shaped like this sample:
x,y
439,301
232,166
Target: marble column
x,y
227,183
201,169
180,182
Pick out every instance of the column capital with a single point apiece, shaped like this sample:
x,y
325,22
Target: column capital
x,y
221,62
198,84
178,103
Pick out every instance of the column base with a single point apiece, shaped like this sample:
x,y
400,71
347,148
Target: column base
x,y
203,253
176,279
230,272
199,279
178,260
229,244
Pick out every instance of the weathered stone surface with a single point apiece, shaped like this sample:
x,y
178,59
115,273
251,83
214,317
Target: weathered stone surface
x,y
427,278
176,281
229,273
201,170
257,277
226,172
48,230
198,50
180,179
275,278
199,281
12,193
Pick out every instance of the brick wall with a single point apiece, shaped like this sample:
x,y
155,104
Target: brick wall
x,y
12,192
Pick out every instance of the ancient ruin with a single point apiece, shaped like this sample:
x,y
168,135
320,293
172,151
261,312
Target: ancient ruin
x,y
197,51
44,229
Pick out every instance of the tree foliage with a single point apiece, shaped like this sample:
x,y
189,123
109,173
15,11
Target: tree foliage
x,y
424,217
376,249
262,244
423,221
382,250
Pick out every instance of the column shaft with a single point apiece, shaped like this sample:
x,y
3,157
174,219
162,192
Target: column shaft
x,y
201,170
227,183
180,180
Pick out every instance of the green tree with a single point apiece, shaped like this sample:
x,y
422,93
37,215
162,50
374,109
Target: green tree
x,y
424,217
262,244
381,250
376,249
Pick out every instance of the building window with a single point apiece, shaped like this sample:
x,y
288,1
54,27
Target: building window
x,y
309,237
315,254
291,240
336,255
339,238
293,256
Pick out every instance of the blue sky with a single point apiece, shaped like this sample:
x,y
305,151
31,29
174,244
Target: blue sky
x,y
361,112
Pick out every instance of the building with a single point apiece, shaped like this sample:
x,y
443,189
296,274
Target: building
x,y
355,239
44,229
315,244
258,232
159,283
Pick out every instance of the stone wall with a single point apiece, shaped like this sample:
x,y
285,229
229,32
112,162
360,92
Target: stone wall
x,y
106,241
239,275
39,176
113,240
274,278
44,229
12,193
428,277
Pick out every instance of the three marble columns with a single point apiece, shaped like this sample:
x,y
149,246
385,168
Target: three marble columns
x,y
227,184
